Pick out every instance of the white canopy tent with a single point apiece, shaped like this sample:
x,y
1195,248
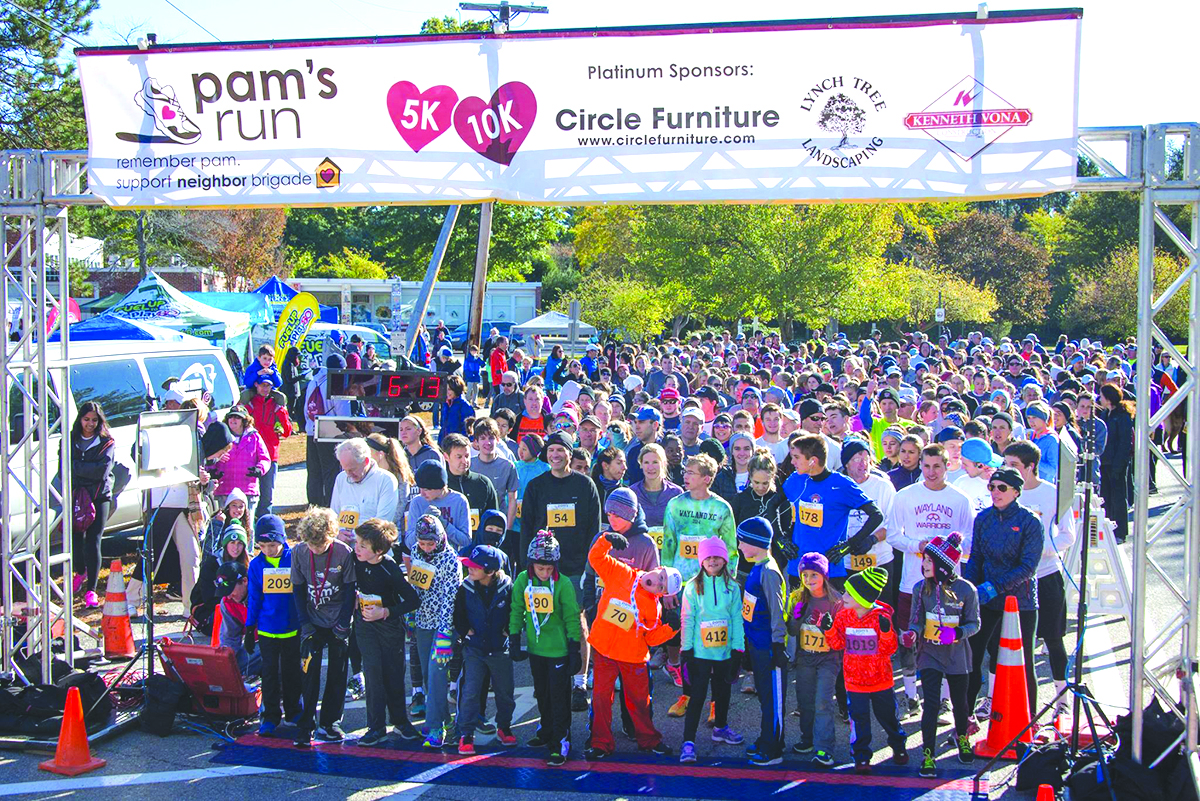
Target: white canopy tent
x,y
554,324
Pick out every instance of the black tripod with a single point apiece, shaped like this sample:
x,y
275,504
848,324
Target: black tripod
x,y
1082,696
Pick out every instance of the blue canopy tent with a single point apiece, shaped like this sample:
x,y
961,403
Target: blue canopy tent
x,y
278,293
251,303
106,328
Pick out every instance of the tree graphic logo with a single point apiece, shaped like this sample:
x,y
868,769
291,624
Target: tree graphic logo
x,y
842,115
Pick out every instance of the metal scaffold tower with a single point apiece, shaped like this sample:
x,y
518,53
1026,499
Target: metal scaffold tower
x,y
39,186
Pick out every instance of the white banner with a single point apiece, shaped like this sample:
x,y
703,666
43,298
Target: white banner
x,y
906,109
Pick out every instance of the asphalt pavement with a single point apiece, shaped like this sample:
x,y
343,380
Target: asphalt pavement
x,y
180,766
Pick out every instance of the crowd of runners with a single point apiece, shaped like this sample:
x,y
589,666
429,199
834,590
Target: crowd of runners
x,y
734,513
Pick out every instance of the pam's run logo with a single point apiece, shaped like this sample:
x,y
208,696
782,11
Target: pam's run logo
x,y
968,118
163,111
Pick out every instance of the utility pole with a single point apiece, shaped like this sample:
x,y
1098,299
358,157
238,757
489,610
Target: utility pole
x,y
502,16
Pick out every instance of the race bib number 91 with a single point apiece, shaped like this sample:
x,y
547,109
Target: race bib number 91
x,y
689,547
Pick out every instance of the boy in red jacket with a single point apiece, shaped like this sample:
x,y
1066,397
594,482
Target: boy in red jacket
x,y
863,632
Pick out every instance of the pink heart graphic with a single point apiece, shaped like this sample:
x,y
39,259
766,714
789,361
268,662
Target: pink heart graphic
x,y
496,129
167,113
420,117
326,175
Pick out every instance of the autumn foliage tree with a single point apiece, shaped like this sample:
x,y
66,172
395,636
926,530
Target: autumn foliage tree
x,y
984,249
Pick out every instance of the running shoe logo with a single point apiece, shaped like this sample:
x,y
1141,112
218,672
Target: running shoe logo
x,y
170,122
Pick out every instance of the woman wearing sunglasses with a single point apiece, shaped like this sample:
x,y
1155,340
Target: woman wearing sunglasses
x,y
1005,548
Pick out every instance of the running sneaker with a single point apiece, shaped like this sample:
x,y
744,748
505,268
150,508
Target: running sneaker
x,y
687,752
485,727
373,738
406,731
266,728
91,600
466,746
823,759
843,714
434,740
928,769
900,755
662,749
862,766
579,700
983,711
77,582
356,688
555,760
303,739
945,716
965,754
679,708
748,685
914,707
160,104
802,747
596,754
507,738
537,740
765,760
727,735
417,708
331,734
751,749
676,674
658,658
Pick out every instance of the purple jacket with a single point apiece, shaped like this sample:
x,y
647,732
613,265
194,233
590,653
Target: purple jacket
x,y
247,452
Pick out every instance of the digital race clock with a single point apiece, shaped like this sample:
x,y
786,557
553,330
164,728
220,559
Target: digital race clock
x,y
386,386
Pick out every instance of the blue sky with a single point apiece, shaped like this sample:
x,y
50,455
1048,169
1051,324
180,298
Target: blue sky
x,y
1137,64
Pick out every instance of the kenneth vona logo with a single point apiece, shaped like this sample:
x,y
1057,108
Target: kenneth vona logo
x,y
967,118
843,106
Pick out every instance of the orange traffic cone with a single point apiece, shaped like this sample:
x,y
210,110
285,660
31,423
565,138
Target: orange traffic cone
x,y
215,642
72,757
1010,704
118,635
1045,793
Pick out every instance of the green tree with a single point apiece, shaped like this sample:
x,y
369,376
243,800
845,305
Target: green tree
x,y
621,307
983,249
1105,303
349,263
925,287
41,105
434,25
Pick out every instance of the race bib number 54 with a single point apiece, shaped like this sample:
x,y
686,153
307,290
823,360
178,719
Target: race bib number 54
x,y
560,515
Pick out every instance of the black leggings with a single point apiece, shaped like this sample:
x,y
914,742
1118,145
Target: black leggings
x,y
87,546
988,639
1052,622
1114,490
931,690
700,671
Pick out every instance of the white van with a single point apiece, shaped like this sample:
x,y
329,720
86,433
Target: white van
x,y
121,376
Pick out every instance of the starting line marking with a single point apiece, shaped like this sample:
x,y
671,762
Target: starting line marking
x,y
130,779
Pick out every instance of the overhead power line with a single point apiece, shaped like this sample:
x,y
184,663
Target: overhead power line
x,y
41,21
192,20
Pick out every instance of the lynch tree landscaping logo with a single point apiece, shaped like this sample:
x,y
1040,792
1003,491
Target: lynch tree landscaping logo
x,y
843,106
968,118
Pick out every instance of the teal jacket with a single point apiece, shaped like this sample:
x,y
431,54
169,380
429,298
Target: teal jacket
x,y
705,614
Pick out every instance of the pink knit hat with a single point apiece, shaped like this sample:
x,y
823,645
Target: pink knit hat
x,y
714,546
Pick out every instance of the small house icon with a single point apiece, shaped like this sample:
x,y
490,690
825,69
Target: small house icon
x,y
328,174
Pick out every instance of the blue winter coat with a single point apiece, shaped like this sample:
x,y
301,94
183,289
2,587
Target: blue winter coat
x,y
1005,549
271,612
489,622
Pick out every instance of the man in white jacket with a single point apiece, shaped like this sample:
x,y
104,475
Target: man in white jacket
x,y
362,490
920,512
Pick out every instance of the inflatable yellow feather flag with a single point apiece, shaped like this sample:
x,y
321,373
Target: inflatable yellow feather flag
x,y
295,321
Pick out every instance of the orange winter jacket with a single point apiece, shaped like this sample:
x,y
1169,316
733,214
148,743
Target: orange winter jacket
x,y
617,634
